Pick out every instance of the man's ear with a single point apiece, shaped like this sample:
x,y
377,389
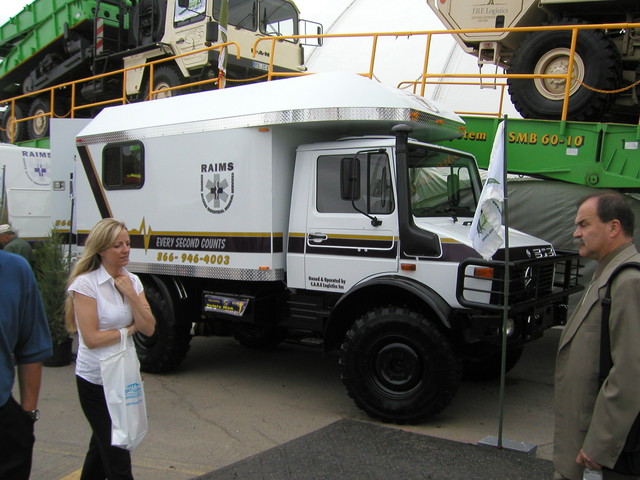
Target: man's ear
x,y
615,226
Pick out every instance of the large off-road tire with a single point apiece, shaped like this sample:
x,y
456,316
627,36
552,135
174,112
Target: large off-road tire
x,y
484,362
39,127
596,63
166,77
398,367
169,344
256,336
12,130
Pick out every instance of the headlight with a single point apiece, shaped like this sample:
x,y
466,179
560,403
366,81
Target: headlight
x,y
511,327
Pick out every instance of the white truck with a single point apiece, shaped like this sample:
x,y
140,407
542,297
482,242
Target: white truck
x,y
25,190
263,212
607,60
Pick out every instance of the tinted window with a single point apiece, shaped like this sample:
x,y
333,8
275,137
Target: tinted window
x,y
123,166
242,13
373,192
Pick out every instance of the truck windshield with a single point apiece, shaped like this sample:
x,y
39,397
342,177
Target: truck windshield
x,y
278,18
442,183
272,17
194,13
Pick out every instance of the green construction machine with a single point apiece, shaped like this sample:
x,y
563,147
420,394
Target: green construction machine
x,y
51,42
601,155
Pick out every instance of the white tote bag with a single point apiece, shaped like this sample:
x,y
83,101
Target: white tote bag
x,y
124,393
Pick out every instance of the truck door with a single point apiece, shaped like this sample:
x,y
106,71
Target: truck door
x,y
189,31
351,225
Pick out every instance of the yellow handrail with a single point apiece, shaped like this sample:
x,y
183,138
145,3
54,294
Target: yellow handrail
x,y
122,99
419,86
429,33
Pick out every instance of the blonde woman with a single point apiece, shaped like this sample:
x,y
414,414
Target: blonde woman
x,y
103,298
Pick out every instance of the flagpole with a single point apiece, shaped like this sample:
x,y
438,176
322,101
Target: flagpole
x,y
489,232
505,308
222,58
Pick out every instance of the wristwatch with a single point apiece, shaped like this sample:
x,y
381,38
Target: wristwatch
x,y
34,414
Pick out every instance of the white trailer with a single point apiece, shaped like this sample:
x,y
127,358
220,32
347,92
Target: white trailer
x,y
263,211
25,190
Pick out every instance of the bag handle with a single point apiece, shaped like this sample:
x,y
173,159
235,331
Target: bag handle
x,y
123,338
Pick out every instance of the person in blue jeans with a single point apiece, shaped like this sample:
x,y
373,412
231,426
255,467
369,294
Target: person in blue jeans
x,y
25,342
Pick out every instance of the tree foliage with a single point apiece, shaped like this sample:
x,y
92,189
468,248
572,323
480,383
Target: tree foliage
x,y
51,270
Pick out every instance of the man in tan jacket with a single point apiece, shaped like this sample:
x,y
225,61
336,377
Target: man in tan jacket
x,y
592,423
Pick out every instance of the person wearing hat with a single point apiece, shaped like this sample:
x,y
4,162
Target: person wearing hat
x,y
12,244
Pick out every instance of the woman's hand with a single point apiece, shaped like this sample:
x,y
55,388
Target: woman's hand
x,y
143,320
124,285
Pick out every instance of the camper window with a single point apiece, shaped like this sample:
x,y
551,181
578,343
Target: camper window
x,y
123,166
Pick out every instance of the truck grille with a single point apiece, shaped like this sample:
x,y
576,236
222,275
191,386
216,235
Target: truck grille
x,y
532,282
525,283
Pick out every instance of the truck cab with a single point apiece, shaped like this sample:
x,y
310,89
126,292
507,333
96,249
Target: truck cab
x,y
185,26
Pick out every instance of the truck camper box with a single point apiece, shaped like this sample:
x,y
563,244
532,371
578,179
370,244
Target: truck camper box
x,y
26,191
223,161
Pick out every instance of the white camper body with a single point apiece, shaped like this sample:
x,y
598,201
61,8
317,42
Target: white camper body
x,y
302,209
25,197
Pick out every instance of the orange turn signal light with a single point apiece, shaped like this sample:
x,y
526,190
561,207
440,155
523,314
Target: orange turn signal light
x,y
483,272
408,267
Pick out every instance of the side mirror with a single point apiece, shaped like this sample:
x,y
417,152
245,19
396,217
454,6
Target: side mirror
x,y
350,179
211,34
307,27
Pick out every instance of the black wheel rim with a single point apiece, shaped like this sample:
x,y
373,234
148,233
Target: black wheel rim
x,y
395,368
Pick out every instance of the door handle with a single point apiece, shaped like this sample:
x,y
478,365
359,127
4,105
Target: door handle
x,y
317,237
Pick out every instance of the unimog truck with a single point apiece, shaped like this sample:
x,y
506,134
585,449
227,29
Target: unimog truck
x,y
315,210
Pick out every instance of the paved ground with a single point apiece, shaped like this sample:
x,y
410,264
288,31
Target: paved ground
x,y
227,407
353,450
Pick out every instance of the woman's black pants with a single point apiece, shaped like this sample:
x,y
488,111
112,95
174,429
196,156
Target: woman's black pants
x,y
102,461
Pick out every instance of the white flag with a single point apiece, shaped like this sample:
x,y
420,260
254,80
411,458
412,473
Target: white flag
x,y
487,233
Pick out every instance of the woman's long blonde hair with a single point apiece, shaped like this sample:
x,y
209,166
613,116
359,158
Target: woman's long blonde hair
x,y
102,236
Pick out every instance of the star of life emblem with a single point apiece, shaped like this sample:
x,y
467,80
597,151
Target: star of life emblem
x,y
37,170
216,191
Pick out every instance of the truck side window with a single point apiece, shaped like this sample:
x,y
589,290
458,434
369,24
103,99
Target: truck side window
x,y
123,166
242,13
376,193
278,18
185,16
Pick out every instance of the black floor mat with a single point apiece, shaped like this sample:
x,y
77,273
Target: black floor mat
x,y
350,450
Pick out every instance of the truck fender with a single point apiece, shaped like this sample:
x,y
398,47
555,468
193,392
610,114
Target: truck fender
x,y
382,291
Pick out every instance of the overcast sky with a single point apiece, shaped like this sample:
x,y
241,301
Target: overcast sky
x,y
10,8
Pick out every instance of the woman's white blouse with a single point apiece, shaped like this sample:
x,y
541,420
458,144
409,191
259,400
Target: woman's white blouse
x,y
114,312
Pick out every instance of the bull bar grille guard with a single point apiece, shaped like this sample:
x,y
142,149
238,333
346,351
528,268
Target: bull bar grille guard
x,y
532,282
